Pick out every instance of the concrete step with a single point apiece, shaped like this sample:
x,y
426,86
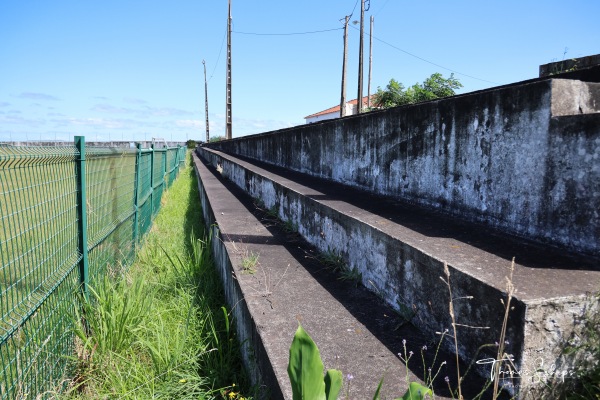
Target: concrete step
x,y
400,249
356,332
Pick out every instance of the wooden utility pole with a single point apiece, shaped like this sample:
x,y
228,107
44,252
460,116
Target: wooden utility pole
x,y
360,58
343,100
228,133
370,63
206,101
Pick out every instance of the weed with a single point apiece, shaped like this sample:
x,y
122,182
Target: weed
x,y
259,203
290,227
159,329
273,212
586,374
336,263
351,275
249,263
332,260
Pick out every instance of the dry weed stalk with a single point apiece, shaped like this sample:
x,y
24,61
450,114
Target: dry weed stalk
x,y
451,311
510,291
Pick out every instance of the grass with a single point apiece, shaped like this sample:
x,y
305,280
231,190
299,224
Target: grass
x,y
336,263
159,329
249,263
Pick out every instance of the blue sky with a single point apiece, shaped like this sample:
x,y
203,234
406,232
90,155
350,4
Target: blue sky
x,y
133,70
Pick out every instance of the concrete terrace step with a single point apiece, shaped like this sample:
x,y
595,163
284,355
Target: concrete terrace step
x,y
355,331
399,249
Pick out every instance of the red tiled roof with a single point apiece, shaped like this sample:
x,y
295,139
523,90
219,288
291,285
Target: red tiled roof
x,y
336,109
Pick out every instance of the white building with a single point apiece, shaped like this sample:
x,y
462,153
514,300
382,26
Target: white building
x,y
334,112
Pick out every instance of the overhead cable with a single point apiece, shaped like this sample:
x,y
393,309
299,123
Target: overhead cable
x,y
430,62
219,57
286,34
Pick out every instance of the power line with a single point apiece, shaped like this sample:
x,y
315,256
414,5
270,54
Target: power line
x,y
219,57
287,34
352,13
431,62
382,7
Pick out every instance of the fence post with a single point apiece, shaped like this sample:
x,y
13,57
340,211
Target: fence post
x,y
164,163
136,193
152,181
82,215
176,163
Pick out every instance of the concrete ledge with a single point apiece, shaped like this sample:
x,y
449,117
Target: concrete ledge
x,y
355,332
492,157
401,253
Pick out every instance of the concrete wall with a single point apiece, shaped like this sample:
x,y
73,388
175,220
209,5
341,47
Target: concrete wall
x,y
523,158
571,64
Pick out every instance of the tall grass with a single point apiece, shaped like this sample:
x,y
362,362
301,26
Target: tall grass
x,y
159,329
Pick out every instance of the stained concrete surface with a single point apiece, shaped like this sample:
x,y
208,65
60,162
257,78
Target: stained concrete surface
x,y
355,331
524,158
474,251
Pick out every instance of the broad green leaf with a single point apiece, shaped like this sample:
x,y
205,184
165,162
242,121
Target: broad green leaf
x,y
333,384
416,391
305,368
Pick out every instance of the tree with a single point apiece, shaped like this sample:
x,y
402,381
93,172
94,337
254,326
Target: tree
x,y
434,87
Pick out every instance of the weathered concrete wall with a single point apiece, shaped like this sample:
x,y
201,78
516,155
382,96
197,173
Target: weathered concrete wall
x,y
404,269
572,64
522,158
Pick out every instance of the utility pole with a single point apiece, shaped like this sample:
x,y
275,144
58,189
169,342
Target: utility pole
x,y
228,133
360,58
206,100
370,62
343,100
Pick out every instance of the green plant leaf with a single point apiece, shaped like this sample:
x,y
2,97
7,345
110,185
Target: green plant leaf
x,y
376,397
333,384
416,391
305,368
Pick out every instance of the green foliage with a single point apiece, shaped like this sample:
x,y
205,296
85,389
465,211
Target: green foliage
x,y
159,330
351,275
216,139
290,227
333,384
335,262
416,391
376,396
112,318
191,144
249,263
305,370
332,260
434,87
587,373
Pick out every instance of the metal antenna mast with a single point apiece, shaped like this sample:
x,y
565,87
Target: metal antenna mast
x,y
228,133
206,100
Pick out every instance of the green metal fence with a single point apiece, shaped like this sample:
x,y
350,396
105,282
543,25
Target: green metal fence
x,y
68,215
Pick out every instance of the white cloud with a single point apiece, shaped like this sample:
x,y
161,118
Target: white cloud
x,y
107,108
133,100
37,96
165,111
96,123
15,119
189,123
